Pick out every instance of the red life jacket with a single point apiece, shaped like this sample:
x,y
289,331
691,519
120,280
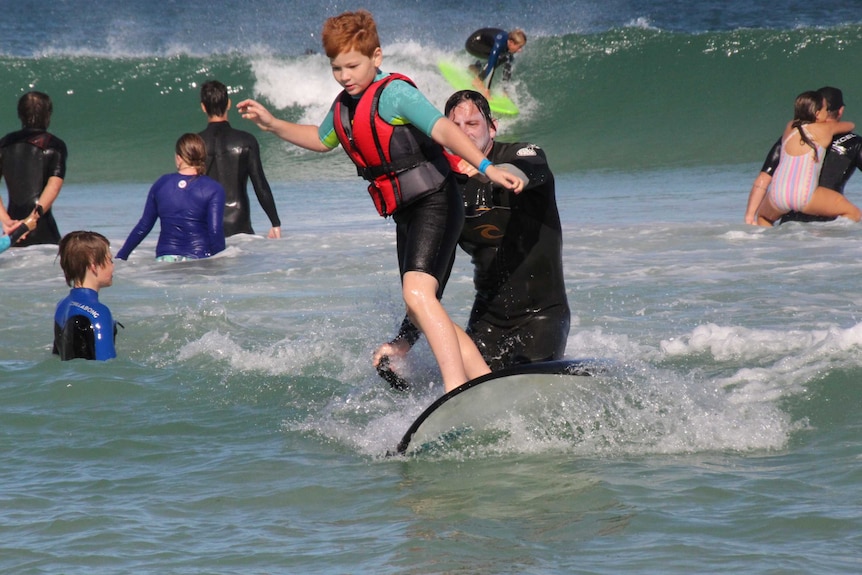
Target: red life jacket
x,y
400,162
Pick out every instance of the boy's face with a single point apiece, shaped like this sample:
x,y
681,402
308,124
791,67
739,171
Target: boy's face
x,y
356,71
104,273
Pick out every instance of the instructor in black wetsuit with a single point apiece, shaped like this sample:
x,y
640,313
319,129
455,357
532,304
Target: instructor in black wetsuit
x,y
842,158
521,312
233,157
34,165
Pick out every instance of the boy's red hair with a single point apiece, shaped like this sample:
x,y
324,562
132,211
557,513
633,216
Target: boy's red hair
x,y
350,31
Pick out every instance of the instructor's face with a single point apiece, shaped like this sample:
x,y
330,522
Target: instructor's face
x,y
474,123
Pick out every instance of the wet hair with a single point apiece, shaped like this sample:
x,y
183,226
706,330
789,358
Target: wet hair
x,y
834,100
469,96
193,150
805,112
34,110
518,37
78,251
214,97
350,31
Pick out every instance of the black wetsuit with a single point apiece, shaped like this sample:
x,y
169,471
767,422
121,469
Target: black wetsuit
x,y
490,44
233,156
520,313
842,159
28,158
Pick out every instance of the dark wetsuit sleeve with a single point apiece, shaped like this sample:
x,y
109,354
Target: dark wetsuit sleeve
x,y
261,185
771,162
857,157
498,49
408,332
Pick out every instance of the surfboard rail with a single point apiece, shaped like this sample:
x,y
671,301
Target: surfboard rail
x,y
571,367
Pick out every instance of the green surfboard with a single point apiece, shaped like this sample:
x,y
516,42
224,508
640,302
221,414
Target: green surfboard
x,y
460,78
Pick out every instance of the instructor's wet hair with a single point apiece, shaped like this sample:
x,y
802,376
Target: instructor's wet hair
x,y
34,110
193,149
834,99
469,96
214,97
78,251
350,31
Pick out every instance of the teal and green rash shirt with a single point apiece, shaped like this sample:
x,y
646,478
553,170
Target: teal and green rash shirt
x,y
400,104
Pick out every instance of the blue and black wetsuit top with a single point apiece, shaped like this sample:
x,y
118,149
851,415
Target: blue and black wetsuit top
x,y
28,158
84,327
843,158
491,44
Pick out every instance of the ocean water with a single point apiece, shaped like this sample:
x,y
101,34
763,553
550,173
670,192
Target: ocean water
x,y
242,428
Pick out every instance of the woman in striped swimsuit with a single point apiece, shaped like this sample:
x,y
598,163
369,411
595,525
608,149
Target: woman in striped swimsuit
x,y
795,183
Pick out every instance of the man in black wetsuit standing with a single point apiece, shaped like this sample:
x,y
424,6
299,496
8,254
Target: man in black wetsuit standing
x,y
520,313
34,165
233,157
841,160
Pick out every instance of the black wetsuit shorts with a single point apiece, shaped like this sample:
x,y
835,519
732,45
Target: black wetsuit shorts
x,y
428,230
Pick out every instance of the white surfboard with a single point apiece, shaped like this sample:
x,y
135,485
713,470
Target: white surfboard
x,y
485,400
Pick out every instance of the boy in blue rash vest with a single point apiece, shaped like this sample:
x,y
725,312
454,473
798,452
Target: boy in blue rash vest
x,y
33,162
83,326
520,312
394,136
190,206
497,48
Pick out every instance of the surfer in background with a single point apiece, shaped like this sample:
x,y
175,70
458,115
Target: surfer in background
x,y
794,185
190,206
83,326
495,48
843,158
233,157
520,313
395,136
34,165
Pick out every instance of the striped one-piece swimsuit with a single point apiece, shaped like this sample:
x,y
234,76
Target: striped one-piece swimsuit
x,y
796,177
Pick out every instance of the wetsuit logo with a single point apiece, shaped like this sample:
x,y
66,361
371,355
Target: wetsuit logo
x,y
529,150
489,231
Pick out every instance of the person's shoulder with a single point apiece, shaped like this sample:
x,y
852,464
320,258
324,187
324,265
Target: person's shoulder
x,y
514,150
211,183
170,176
